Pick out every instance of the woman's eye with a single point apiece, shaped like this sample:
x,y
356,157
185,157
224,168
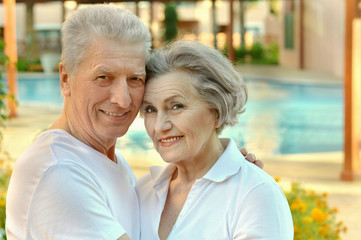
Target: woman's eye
x,y
177,106
148,109
102,77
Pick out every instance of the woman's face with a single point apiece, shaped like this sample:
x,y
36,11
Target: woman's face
x,y
181,125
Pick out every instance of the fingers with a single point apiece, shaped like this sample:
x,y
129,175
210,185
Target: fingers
x,y
251,157
243,151
259,163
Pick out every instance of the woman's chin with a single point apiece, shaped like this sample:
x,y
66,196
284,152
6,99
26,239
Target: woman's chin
x,y
169,159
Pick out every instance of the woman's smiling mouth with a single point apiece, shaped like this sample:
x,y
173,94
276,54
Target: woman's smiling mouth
x,y
170,139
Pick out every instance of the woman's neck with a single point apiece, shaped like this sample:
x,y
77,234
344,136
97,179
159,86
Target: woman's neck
x,y
191,169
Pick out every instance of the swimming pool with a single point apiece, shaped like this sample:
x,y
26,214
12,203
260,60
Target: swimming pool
x,y
45,90
279,119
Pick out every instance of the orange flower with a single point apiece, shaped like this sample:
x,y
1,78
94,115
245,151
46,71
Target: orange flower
x,y
299,205
311,193
307,219
318,215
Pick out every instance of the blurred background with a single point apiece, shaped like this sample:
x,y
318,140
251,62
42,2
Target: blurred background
x,y
300,59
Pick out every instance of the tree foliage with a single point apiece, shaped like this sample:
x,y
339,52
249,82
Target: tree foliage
x,y
3,94
170,22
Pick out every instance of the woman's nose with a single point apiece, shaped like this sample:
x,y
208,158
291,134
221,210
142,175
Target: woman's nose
x,y
163,123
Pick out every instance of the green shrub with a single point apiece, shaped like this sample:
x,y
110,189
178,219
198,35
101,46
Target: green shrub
x,y
240,53
257,54
312,216
170,22
272,53
257,51
4,175
4,181
3,94
22,65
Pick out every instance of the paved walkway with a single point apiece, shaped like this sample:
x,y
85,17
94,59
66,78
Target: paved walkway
x,y
319,171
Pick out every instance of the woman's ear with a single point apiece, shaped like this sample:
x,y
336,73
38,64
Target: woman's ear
x,y
217,124
64,80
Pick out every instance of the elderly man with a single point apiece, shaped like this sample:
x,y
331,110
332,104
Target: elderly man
x,y
71,183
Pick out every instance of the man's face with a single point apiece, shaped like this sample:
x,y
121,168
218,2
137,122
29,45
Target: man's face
x,y
106,90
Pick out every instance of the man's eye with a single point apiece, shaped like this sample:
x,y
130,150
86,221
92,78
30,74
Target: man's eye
x,y
103,80
136,81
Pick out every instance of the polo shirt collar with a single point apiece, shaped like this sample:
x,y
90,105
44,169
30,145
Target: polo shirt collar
x,y
161,174
229,163
226,166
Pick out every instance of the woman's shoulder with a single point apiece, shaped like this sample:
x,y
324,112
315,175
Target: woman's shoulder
x,y
148,180
251,176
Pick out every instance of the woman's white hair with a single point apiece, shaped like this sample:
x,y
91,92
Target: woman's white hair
x,y
99,21
213,76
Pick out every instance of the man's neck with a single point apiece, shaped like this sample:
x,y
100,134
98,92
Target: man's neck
x,y
105,147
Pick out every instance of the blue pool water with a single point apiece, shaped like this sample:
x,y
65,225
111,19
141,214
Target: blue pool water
x,y
279,119
40,91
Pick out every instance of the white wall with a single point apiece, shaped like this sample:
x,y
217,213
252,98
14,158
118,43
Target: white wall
x,y
323,37
19,18
290,57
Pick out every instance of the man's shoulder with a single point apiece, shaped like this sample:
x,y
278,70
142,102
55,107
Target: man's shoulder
x,y
48,149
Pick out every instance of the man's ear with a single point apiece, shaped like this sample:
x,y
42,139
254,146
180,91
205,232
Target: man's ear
x,y
64,80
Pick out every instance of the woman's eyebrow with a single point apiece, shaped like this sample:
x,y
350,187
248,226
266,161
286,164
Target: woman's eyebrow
x,y
168,99
173,97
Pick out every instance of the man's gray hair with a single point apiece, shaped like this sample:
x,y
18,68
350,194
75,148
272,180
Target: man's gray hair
x,y
99,21
213,75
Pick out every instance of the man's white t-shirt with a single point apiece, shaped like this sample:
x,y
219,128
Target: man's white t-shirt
x,y
234,200
61,188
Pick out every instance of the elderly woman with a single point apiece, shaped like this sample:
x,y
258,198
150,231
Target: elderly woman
x,y
206,191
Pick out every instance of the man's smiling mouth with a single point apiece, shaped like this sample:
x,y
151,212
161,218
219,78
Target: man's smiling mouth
x,y
114,114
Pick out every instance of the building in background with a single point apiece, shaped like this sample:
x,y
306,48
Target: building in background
x,y
310,34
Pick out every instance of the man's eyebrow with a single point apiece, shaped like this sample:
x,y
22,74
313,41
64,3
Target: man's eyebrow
x,y
105,70
138,73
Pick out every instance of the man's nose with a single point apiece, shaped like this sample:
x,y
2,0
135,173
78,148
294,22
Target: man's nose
x,y
120,94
